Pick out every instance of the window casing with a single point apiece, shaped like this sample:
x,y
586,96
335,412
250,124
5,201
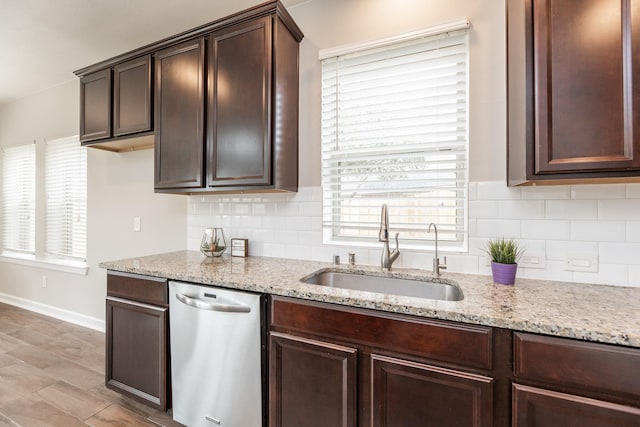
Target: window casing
x,y
395,131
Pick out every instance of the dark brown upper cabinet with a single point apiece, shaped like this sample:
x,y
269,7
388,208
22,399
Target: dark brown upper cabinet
x,y
239,105
179,110
251,125
115,105
252,140
224,98
132,96
95,106
574,90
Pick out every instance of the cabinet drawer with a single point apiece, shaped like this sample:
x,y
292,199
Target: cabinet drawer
x,y
576,364
150,290
465,345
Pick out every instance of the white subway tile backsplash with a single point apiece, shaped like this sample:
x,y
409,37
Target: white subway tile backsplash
x,y
546,229
624,210
462,263
546,192
633,231
472,191
242,208
607,274
483,209
633,191
571,209
634,275
497,190
560,250
552,223
554,270
311,209
597,192
508,228
274,250
599,231
477,245
300,223
620,253
298,252
287,208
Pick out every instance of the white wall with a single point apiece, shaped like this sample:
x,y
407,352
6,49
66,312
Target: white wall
x,y
120,186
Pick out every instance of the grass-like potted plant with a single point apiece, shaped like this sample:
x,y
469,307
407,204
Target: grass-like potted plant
x,y
504,254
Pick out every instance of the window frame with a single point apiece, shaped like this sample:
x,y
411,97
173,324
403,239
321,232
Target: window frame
x,y
330,209
39,258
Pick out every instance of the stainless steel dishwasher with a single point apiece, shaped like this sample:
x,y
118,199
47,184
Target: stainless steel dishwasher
x,y
217,356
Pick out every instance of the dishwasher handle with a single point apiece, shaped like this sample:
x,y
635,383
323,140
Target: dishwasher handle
x,y
226,306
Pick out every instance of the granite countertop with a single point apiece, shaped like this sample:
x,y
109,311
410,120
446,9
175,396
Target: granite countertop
x,y
608,314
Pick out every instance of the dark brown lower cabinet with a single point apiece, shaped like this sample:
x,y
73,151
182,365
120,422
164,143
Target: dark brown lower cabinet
x,y
314,383
535,407
407,394
343,366
137,333
565,382
136,364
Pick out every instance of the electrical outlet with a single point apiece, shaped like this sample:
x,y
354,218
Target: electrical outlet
x,y
532,260
44,281
136,223
581,263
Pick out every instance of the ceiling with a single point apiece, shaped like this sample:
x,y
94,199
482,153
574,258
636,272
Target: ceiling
x,y
43,41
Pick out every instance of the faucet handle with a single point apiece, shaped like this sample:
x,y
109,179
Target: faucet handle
x,y
397,246
443,266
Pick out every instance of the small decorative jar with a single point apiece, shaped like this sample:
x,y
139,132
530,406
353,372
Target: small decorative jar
x,y
213,242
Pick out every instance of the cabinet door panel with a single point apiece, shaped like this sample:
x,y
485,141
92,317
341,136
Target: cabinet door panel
x,y
179,111
584,96
312,383
408,394
132,96
534,407
95,106
239,105
136,356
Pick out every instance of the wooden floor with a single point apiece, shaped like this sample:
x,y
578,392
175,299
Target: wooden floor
x,y
52,374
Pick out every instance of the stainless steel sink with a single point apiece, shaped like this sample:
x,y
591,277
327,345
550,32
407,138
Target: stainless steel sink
x,y
386,285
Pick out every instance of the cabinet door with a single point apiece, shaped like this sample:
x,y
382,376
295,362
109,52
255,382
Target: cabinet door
x,y
95,106
534,407
239,105
586,107
136,352
132,96
408,394
179,112
312,383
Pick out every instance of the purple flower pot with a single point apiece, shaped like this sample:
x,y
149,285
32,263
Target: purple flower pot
x,y
505,274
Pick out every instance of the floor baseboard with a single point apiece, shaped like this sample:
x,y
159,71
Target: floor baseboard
x,y
55,312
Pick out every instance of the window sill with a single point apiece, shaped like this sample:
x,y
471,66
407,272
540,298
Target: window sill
x,y
65,266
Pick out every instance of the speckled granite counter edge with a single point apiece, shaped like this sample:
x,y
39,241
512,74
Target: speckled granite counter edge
x,y
484,303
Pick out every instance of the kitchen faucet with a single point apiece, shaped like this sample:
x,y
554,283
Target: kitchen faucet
x,y
436,261
383,236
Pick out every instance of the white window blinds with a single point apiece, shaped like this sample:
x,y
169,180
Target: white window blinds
x,y
66,198
19,198
394,130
